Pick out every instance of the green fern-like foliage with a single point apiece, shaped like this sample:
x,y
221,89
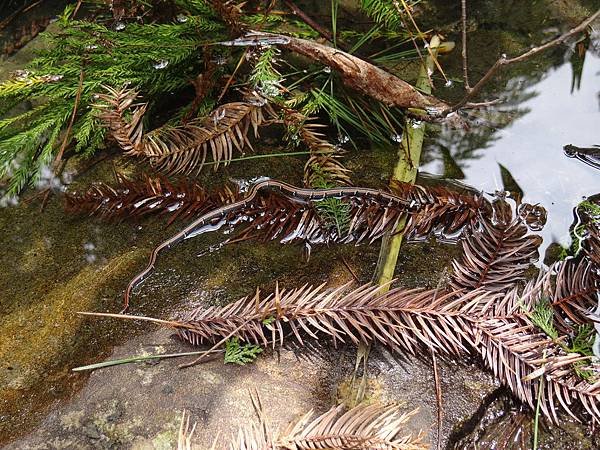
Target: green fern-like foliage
x,y
64,78
162,58
581,341
334,212
378,122
542,317
264,76
240,354
385,13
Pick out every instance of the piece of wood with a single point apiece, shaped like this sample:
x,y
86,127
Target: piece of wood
x,y
356,74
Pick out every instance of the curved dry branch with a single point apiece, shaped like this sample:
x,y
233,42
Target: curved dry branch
x,y
182,149
357,74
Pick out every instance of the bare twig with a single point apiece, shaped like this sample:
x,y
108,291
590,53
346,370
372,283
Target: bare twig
x,y
309,20
412,38
438,398
76,10
324,32
232,76
505,61
436,376
22,9
476,105
70,126
422,36
356,279
464,45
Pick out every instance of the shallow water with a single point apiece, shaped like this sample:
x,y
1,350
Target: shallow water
x,y
70,263
531,146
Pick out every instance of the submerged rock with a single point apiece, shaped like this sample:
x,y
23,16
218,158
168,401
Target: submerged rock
x,y
140,405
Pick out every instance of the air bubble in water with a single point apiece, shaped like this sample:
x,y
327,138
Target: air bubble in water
x,y
220,60
449,83
182,18
119,26
161,64
396,138
327,69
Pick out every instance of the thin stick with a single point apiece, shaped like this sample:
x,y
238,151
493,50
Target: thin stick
x,y
169,323
438,398
232,77
309,20
464,45
350,269
536,420
73,114
420,34
412,38
135,359
22,9
504,61
76,10
436,375
267,155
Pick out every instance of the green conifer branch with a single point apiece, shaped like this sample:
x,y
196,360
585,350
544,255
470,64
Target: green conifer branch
x,y
153,58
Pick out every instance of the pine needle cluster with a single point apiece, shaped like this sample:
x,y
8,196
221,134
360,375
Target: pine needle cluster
x,y
64,79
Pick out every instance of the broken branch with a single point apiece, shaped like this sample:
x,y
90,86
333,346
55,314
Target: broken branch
x,y
355,73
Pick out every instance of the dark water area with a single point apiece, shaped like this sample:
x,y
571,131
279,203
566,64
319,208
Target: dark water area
x,y
54,265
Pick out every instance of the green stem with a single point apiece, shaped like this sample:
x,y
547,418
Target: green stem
x,y
116,362
536,420
409,155
268,155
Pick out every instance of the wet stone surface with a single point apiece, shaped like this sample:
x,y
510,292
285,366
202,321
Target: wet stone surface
x,y
54,265
140,405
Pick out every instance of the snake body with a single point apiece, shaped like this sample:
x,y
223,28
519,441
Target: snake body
x,y
301,194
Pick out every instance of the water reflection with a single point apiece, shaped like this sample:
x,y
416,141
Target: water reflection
x,y
529,145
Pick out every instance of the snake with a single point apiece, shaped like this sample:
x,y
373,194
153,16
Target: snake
x,y
299,194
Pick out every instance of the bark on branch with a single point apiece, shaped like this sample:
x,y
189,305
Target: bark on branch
x,y
355,73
